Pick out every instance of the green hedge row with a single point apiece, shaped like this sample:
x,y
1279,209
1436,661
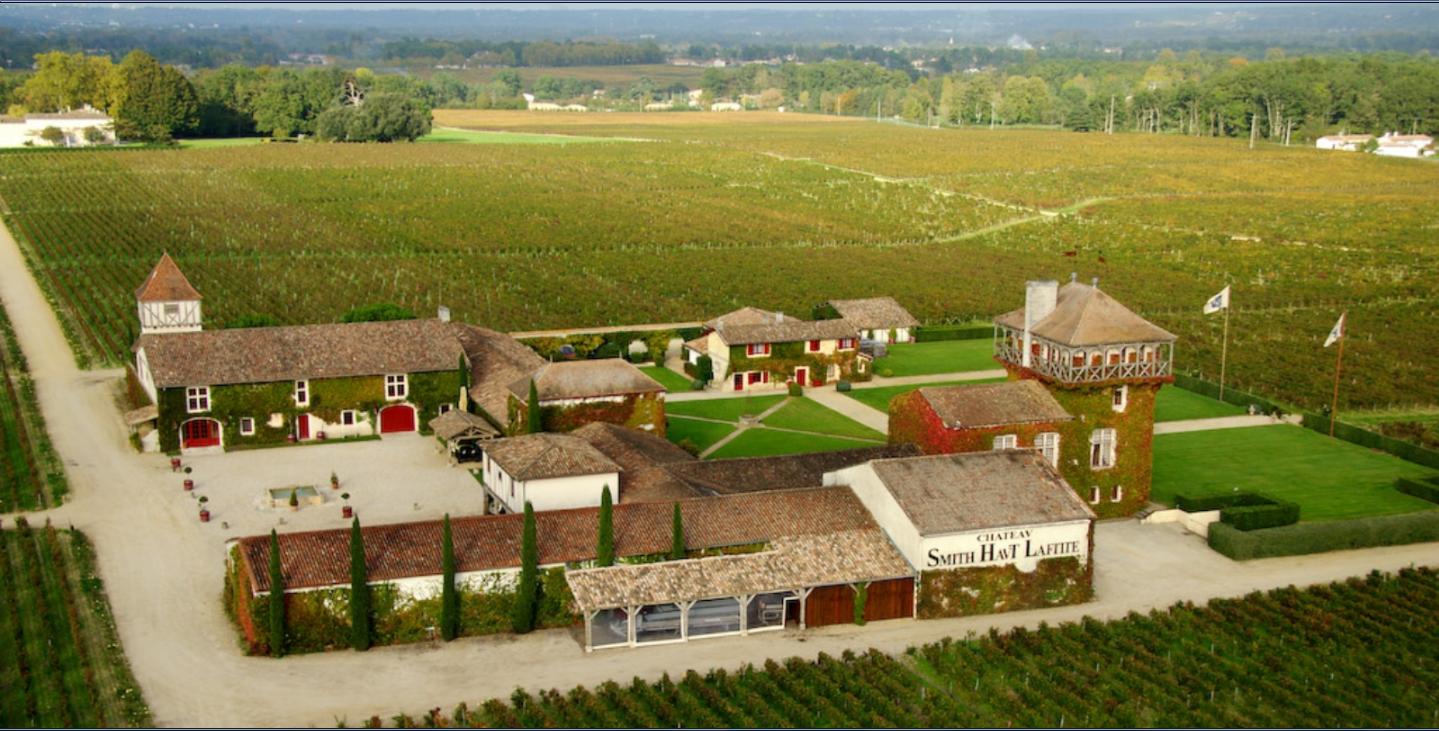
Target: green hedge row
x,y
1231,395
1374,440
1337,535
1259,517
933,333
1204,503
1425,489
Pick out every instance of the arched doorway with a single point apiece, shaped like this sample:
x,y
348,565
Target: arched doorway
x,y
200,433
397,418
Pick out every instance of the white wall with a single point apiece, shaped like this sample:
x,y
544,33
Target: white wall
x,y
562,493
877,499
362,427
147,381
1024,546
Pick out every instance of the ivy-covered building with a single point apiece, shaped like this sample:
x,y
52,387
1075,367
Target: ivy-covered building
x,y
578,392
216,389
754,349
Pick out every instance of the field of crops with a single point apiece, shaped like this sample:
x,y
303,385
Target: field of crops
x,y
31,476
774,210
1358,653
60,659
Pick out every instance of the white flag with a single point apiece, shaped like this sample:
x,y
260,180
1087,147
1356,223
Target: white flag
x,y
1337,332
1217,302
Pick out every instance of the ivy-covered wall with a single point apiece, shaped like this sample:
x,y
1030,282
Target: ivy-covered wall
x,y
913,421
785,357
636,411
328,397
990,589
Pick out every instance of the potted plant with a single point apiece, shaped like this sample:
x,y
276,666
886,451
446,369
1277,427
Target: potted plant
x,y
334,481
294,499
204,510
189,484
346,511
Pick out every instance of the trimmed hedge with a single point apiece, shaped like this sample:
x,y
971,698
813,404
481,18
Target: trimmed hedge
x,y
1259,517
932,333
1338,535
1374,440
1425,489
1231,395
1204,503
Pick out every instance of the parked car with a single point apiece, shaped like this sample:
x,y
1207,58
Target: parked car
x,y
468,452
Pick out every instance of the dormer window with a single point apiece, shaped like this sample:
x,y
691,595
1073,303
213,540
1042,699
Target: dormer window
x,y
757,350
396,387
197,399
302,393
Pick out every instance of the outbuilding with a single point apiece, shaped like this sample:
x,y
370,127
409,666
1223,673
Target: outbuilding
x,y
549,471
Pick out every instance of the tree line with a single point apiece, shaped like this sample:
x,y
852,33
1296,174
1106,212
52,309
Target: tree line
x,y
521,53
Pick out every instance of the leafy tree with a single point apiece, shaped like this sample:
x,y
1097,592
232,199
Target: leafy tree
x,y
449,596
463,369
65,81
677,535
522,615
381,118
227,100
534,416
605,542
705,367
277,598
158,102
54,135
359,590
95,135
378,312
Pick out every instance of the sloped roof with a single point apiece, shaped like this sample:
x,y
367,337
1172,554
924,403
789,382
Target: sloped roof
x,y
455,423
994,404
543,456
1084,315
322,558
77,114
787,472
950,493
496,360
742,316
643,458
166,283
575,379
753,325
874,312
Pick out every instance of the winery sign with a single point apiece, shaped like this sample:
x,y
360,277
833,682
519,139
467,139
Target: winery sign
x,y
1024,547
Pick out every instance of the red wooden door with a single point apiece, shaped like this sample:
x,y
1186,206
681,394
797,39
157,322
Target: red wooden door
x,y
397,418
801,375
200,433
303,426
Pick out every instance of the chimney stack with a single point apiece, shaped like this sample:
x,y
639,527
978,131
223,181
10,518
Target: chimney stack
x,y
1094,283
443,314
1040,297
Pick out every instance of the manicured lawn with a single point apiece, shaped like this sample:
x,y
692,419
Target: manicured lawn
x,y
945,356
1177,404
880,396
478,137
1330,479
809,415
724,409
760,442
675,382
701,433
208,143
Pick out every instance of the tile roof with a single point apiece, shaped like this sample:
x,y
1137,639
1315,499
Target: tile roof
x,y
315,559
496,360
269,354
787,472
166,283
950,493
874,312
753,325
994,404
455,423
77,114
575,379
791,563
544,456
1084,315
643,459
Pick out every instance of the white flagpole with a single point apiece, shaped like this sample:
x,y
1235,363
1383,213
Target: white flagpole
x,y
1224,352
1338,365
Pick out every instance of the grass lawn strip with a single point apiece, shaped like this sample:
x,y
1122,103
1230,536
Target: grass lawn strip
x,y
1329,479
762,442
702,434
945,356
804,414
1177,404
878,398
668,378
724,409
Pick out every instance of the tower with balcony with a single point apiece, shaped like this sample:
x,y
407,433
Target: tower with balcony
x,y
1104,364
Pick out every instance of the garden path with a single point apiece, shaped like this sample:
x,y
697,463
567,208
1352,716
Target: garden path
x,y
1218,422
862,413
742,429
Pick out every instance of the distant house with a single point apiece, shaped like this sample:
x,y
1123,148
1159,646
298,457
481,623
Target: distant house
x,y
575,108
1349,143
878,318
579,392
753,349
726,107
1394,145
659,106
27,130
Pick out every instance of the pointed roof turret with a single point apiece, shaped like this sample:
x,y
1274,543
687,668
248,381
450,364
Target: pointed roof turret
x,y
166,284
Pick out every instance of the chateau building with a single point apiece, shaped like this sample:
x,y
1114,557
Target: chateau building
x,y
754,349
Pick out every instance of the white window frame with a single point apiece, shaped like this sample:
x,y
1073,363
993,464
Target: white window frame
x,y
1006,441
1048,444
840,344
1116,494
197,399
757,350
1094,495
397,386
348,417
247,426
1107,442
1122,392
302,393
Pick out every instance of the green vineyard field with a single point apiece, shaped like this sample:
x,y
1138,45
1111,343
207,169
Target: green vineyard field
x,y
1357,653
31,476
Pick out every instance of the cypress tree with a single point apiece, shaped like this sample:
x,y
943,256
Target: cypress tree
x,y
277,598
533,417
359,590
449,599
522,615
677,540
605,548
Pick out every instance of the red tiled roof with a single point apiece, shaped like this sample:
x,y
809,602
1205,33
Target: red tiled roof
x,y
322,558
166,284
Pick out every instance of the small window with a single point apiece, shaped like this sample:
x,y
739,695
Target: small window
x,y
846,343
1119,399
172,309
1094,496
814,346
396,387
1116,494
197,399
1006,441
1048,444
302,393
755,376
1101,449
757,349
347,417
444,408
247,426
